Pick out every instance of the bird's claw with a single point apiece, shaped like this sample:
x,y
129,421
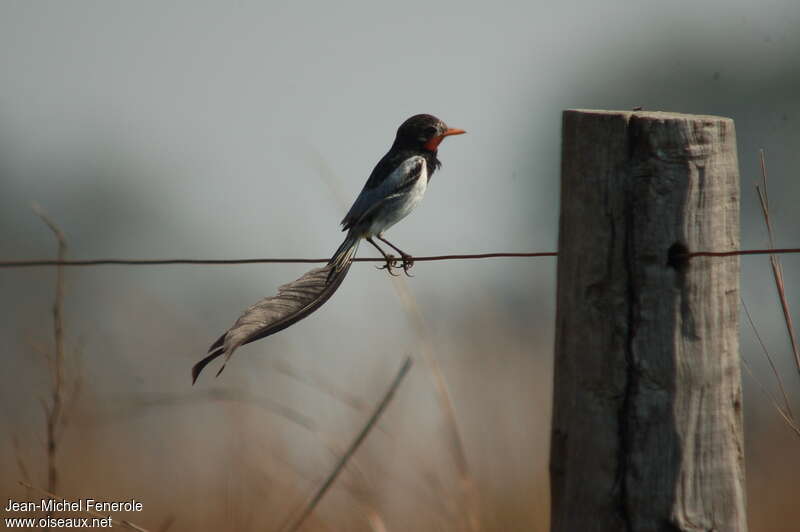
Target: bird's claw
x,y
405,261
408,263
391,262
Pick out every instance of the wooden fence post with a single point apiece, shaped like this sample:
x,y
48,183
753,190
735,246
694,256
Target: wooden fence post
x,y
647,412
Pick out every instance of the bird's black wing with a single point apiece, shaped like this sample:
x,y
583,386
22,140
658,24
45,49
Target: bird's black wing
x,y
392,175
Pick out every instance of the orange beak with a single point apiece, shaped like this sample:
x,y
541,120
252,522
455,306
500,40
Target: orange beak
x,y
453,131
433,144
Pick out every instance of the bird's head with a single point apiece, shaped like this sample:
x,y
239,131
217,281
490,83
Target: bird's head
x,y
423,132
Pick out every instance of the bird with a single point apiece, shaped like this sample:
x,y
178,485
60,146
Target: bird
x,y
394,189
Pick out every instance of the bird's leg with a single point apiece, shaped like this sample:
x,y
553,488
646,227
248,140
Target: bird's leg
x,y
408,260
390,259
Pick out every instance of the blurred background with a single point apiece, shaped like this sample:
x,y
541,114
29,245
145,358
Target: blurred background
x,y
245,129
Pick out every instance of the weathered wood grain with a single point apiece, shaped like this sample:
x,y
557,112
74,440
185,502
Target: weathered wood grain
x,y
647,427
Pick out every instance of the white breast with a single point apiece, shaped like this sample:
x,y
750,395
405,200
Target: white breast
x,y
399,205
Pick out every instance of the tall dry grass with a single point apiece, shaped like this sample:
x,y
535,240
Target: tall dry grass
x,y
463,445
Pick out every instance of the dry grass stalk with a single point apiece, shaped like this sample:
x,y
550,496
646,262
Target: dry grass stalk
x,y
445,400
55,407
775,372
792,424
321,384
376,522
777,269
783,410
23,469
294,524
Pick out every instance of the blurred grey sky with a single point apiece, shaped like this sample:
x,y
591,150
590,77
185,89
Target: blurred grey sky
x,y
243,129
218,129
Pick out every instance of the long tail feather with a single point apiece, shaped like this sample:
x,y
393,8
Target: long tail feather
x,y
197,368
344,255
294,301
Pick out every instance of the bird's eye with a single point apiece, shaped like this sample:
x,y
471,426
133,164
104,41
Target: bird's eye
x,y
430,131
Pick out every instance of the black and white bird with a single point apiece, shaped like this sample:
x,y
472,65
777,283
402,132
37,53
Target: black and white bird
x,y
394,188
397,184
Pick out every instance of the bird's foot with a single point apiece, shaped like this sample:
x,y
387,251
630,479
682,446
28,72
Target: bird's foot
x,y
391,262
408,263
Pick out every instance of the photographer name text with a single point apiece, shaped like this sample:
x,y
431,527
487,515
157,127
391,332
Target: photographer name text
x,y
78,505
